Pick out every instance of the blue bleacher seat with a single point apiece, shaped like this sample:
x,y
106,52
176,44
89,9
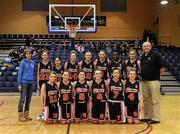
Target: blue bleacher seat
x,y
3,78
11,78
7,73
1,84
8,84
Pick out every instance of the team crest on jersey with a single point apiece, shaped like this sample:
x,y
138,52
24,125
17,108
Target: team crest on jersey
x,y
76,66
105,64
120,84
49,67
134,65
136,86
85,86
69,86
102,85
90,66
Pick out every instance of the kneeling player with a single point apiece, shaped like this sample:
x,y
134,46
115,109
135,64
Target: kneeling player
x,y
66,99
133,100
81,89
49,99
116,98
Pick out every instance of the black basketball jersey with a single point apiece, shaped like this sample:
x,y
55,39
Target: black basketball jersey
x,y
98,91
131,92
51,94
59,73
133,66
115,90
65,93
81,92
73,70
88,69
44,71
103,67
117,64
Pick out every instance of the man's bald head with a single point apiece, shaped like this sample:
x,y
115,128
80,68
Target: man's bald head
x,y
146,47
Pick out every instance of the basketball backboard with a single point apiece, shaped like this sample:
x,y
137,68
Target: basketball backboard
x,y
61,16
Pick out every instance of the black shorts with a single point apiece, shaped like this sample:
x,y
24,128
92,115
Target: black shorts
x,y
132,111
51,112
81,110
98,110
116,111
65,111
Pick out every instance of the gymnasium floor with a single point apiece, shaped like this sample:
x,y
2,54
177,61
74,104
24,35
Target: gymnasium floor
x,y
9,124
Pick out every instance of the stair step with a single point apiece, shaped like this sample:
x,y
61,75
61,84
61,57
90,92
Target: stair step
x,y
170,89
170,78
167,74
169,82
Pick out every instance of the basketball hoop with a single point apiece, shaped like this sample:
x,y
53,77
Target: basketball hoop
x,y
72,30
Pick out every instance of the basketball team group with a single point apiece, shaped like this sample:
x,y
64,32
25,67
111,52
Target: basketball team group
x,y
97,91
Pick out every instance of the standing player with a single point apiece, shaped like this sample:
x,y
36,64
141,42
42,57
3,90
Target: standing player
x,y
49,99
116,97
133,97
116,62
72,66
132,63
66,99
87,66
98,91
81,90
58,68
43,72
103,64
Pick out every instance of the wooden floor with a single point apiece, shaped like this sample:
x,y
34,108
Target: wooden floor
x,y
170,121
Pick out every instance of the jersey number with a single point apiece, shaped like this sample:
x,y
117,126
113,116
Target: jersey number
x,y
116,93
99,96
65,97
53,99
44,76
131,96
81,96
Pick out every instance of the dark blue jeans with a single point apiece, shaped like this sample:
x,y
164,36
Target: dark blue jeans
x,y
25,96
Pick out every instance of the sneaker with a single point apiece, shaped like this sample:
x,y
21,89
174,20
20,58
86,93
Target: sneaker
x,y
145,120
154,122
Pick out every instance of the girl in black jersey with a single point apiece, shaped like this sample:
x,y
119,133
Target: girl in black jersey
x,y
49,99
81,94
66,99
43,72
103,64
87,66
133,98
98,91
58,68
132,64
116,98
116,62
72,66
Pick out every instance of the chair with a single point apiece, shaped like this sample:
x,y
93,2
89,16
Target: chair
x,y
8,84
3,78
11,78
1,84
7,73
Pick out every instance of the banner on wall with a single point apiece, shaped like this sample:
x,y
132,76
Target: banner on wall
x,y
101,21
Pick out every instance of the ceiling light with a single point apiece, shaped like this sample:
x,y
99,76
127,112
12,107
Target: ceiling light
x,y
164,2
